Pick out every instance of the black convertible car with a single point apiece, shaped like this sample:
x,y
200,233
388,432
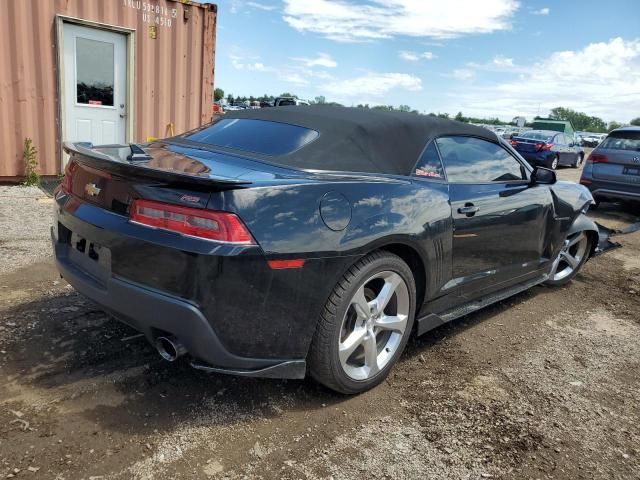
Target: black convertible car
x,y
289,240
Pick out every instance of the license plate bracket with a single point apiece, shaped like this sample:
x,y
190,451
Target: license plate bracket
x,y
90,257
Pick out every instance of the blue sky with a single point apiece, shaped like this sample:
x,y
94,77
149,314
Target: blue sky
x,y
484,58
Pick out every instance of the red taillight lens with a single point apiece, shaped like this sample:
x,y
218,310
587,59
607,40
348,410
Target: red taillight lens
x,y
598,158
67,180
584,181
219,226
543,146
513,143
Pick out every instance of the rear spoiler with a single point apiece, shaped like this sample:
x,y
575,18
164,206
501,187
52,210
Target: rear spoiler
x,y
132,161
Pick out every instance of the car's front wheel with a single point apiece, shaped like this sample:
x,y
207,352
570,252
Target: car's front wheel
x,y
365,324
574,252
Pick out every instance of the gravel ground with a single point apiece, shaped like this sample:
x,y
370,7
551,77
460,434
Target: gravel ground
x,y
543,385
25,219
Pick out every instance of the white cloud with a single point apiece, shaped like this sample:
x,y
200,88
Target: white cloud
x,y
321,60
235,6
371,86
241,64
503,62
415,56
542,11
261,6
463,74
602,79
344,20
293,74
294,78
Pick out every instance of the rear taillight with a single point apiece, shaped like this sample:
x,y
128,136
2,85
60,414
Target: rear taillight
x,y
207,224
67,180
597,158
543,146
584,181
513,143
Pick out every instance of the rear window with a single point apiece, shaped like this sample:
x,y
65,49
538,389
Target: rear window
x,y
622,141
258,136
536,136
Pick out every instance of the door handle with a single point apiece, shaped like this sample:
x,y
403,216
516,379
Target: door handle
x,y
469,209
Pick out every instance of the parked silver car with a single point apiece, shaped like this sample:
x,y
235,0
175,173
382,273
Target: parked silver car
x,y
612,171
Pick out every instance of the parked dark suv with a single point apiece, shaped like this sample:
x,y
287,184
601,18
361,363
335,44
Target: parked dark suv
x,y
612,170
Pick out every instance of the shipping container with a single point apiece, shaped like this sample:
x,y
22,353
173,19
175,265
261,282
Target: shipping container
x,y
102,71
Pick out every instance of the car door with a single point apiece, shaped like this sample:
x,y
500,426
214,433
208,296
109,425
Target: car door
x,y
500,221
560,147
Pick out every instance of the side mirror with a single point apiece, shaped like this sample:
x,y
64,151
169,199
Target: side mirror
x,y
543,176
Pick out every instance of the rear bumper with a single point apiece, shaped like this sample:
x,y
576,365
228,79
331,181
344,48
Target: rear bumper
x,y
154,313
613,190
229,309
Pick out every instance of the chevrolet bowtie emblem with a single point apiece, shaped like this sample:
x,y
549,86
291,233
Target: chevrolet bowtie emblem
x,y
92,189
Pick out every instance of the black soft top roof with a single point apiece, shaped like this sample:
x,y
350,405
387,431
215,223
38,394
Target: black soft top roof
x,y
358,139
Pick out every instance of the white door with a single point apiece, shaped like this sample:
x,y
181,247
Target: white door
x,y
95,85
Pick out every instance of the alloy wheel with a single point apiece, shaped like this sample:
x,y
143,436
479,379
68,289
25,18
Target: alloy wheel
x,y
554,163
579,161
373,325
570,257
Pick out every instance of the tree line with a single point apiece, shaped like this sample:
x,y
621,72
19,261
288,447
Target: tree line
x,y
581,121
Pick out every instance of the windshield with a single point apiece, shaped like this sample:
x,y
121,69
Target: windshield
x,y
259,136
622,141
533,135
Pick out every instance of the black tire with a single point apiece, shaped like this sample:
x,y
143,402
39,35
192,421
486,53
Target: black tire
x,y
324,363
585,256
553,160
578,160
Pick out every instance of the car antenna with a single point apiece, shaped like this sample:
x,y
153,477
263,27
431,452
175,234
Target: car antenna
x,y
138,154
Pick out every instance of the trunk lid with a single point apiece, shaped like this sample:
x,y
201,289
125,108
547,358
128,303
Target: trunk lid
x,y
526,145
112,176
617,158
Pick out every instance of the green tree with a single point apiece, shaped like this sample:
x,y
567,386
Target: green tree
x,y
230,98
320,100
579,120
218,94
459,117
613,125
404,108
636,122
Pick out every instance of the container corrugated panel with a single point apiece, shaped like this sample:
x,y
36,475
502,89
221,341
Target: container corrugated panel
x,y
172,82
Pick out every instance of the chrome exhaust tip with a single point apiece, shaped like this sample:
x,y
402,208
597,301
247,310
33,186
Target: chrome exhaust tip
x,y
170,348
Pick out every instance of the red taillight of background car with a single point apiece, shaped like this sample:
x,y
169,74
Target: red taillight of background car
x,y
597,158
513,143
67,180
543,146
584,181
220,226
